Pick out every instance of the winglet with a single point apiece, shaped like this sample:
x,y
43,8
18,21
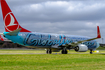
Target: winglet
x,y
98,32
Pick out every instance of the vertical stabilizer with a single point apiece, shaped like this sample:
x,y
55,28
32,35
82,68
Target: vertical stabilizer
x,y
10,21
98,32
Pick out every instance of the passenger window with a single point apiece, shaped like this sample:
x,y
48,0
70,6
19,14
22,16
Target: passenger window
x,y
44,36
49,36
64,37
60,37
34,36
38,36
54,37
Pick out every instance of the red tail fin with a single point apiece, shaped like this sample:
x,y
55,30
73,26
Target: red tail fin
x,y
10,21
1,38
98,32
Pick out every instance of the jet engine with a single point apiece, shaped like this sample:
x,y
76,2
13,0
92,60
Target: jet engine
x,y
81,48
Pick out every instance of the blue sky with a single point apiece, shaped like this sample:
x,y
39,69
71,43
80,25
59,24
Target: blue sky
x,y
73,17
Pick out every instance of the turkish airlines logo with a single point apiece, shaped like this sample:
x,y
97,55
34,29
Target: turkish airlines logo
x,y
11,23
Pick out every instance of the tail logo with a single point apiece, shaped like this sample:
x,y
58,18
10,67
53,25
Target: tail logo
x,y
11,23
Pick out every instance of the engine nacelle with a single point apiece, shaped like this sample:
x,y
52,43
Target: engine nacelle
x,y
81,48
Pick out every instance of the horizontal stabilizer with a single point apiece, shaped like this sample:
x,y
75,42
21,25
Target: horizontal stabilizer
x,y
14,33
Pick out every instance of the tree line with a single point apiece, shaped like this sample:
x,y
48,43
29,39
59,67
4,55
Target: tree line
x,y
4,44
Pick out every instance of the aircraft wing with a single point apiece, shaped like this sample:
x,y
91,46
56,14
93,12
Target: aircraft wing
x,y
78,42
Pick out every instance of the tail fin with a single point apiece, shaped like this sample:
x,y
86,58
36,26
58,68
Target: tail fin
x,y
10,21
1,38
98,32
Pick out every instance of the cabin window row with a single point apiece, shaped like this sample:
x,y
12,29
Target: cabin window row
x,y
53,37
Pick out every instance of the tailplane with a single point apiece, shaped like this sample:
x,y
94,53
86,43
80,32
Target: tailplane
x,y
10,21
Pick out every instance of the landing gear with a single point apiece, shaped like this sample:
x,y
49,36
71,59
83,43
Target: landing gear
x,y
91,51
48,51
64,51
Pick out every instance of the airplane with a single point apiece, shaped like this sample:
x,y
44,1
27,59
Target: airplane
x,y
1,38
51,42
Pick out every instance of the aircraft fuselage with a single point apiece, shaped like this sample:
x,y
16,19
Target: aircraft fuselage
x,y
44,40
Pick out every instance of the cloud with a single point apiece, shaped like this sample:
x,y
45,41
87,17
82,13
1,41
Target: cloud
x,y
56,11
59,16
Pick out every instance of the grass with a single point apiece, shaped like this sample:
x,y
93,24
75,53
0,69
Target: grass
x,y
50,61
101,48
12,51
